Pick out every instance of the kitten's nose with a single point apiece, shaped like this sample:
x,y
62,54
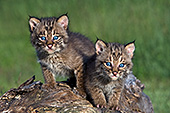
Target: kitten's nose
x,y
50,46
115,73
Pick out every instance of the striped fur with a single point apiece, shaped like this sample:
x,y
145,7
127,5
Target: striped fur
x,y
60,52
106,72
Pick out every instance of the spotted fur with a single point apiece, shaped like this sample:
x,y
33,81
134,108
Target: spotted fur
x,y
106,72
60,51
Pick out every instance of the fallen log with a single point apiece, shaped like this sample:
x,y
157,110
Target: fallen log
x,y
33,96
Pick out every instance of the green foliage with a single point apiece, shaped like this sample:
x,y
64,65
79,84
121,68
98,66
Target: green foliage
x,y
146,21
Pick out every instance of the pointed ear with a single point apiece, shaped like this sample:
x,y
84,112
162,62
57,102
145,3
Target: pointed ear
x,y
63,21
100,46
130,48
33,22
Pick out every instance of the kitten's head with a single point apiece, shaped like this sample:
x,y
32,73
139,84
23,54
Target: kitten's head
x,y
114,59
49,34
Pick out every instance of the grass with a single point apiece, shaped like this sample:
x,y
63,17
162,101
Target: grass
x,y
146,21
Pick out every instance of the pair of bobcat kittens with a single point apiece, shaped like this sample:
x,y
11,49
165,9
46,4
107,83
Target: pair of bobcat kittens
x,y
100,71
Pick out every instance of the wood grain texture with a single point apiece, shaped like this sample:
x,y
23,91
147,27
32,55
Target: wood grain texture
x,y
33,96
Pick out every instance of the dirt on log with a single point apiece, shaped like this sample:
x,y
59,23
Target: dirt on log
x,y
33,97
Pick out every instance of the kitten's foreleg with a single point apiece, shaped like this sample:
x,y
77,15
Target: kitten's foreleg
x,y
80,81
114,99
49,78
98,97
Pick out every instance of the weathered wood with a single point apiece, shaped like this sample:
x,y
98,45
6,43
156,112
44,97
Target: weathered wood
x,y
35,97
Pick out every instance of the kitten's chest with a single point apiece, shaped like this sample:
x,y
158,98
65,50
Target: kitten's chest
x,y
112,87
56,64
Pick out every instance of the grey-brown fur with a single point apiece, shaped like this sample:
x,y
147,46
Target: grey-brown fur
x,y
103,83
64,56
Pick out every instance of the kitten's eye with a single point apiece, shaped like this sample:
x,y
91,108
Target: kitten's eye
x,y
55,38
43,38
108,64
121,65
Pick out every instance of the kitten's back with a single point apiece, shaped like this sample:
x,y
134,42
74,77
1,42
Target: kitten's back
x,y
81,44
79,49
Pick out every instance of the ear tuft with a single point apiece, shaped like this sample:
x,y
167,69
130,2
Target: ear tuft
x,y
130,48
100,46
63,21
33,22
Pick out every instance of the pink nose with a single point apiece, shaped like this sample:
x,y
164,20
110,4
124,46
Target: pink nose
x,y
115,73
50,46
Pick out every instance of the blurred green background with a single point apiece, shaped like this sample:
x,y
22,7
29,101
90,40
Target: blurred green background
x,y
146,21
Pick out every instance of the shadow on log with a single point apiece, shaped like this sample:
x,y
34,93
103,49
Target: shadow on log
x,y
32,97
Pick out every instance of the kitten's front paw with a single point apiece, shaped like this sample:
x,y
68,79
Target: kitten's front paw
x,y
118,108
79,92
101,106
50,86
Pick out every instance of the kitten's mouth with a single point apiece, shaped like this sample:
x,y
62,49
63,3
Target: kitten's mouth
x,y
114,76
50,50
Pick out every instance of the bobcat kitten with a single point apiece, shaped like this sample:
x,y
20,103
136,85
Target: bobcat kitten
x,y
106,71
60,52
